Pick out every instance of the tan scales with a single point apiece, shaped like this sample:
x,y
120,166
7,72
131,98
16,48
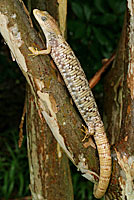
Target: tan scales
x,y
80,91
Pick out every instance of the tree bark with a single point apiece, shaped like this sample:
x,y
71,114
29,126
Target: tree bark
x,y
51,99
119,109
52,167
49,167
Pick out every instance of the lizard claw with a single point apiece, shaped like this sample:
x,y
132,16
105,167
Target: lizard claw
x,y
85,130
34,51
88,131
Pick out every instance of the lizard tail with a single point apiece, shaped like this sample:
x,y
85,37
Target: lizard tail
x,y
105,162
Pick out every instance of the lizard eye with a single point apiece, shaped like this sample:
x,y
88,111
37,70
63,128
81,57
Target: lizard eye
x,y
43,18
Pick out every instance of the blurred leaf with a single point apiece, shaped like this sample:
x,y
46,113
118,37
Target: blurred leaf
x,y
88,30
77,9
78,28
81,193
21,184
11,186
100,5
117,6
11,151
99,33
87,11
109,34
84,41
75,179
106,19
5,184
95,50
94,35
12,170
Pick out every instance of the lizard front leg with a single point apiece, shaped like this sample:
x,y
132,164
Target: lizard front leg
x,y
78,86
35,52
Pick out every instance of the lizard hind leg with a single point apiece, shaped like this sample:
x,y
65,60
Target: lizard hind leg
x,y
88,131
85,130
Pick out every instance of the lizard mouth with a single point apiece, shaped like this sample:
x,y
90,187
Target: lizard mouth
x,y
40,12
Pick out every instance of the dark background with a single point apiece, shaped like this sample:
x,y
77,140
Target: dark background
x,y
93,31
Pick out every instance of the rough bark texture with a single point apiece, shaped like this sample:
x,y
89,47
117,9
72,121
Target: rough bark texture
x,y
119,109
52,167
50,95
49,168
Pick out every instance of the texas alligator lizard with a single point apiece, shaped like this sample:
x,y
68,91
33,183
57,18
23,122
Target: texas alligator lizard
x,y
78,87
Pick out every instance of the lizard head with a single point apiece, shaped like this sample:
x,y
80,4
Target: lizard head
x,y
47,23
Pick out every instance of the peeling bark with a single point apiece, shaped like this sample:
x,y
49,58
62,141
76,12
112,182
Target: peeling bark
x,y
51,98
49,166
119,109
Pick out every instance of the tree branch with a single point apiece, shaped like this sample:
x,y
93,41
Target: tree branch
x,y
51,98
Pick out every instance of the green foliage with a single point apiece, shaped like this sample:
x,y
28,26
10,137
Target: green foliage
x,y
14,173
83,189
94,28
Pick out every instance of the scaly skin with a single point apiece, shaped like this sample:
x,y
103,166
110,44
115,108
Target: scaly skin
x,y
80,91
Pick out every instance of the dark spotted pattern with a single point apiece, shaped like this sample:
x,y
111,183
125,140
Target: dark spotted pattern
x,y
81,93
78,87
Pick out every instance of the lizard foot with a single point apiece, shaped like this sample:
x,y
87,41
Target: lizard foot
x,y
88,131
85,130
34,51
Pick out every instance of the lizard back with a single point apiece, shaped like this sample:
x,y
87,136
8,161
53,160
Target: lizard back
x,y
81,93
78,86
75,79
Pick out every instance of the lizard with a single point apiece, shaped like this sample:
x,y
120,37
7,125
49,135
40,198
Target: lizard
x,y
77,84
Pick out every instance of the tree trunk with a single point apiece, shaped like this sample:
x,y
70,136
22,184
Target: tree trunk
x,y
51,99
47,96
119,109
49,168
52,166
